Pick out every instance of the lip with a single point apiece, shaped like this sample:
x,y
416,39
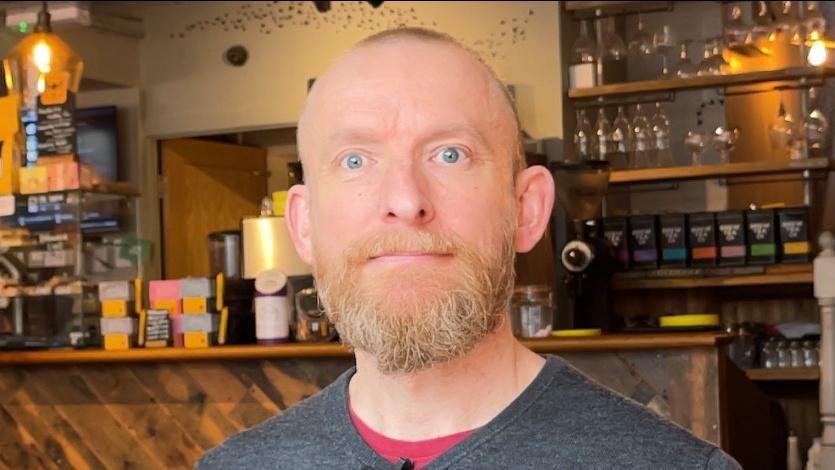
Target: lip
x,y
410,257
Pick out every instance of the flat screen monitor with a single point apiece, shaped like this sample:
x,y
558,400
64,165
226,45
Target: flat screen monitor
x,y
98,143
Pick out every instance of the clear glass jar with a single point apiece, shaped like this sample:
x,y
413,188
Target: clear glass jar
x,y
795,354
810,354
783,358
768,356
532,311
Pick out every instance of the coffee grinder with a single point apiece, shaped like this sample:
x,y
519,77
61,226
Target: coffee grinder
x,y
586,257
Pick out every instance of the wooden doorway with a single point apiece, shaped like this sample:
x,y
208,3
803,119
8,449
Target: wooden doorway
x,y
209,186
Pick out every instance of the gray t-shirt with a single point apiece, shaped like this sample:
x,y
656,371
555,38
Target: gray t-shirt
x,y
561,420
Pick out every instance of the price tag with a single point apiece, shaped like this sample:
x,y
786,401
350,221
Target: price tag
x,y
6,205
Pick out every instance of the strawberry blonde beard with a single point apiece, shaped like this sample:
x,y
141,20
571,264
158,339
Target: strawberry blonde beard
x,y
411,318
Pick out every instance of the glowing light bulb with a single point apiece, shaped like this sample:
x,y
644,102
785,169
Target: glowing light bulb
x,y
42,56
817,53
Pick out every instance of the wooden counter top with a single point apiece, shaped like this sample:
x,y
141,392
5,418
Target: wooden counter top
x,y
314,350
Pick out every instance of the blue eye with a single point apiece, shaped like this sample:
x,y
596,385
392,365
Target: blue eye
x,y
353,162
449,155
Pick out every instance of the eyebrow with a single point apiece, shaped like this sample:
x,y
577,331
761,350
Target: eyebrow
x,y
365,134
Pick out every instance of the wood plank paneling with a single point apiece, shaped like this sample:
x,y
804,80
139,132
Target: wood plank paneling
x,y
165,415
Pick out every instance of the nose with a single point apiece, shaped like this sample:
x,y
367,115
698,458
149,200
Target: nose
x,y
405,194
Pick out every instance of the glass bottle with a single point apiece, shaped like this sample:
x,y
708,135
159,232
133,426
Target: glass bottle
x,y
644,139
717,57
532,311
783,132
768,354
814,23
582,136
602,137
622,139
664,42
661,131
584,49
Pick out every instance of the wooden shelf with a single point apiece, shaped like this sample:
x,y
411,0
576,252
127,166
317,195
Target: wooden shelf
x,y
321,350
615,8
770,275
785,374
682,173
694,83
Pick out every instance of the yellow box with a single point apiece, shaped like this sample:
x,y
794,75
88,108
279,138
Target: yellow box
x,y
196,339
34,179
174,307
156,344
116,342
12,144
114,308
192,305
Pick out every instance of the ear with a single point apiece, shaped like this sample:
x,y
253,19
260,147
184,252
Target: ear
x,y
534,203
297,217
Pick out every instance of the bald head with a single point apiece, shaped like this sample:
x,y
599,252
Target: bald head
x,y
422,61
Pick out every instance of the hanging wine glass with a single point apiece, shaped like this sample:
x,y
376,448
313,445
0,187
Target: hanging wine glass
x,y
644,141
814,22
584,49
602,137
664,43
787,23
724,141
641,43
783,132
611,45
685,68
736,31
622,139
582,136
815,125
763,23
661,130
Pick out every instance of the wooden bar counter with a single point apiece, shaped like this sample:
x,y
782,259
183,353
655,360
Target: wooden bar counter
x,y
163,408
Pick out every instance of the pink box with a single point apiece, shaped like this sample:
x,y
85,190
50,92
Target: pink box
x,y
177,330
164,290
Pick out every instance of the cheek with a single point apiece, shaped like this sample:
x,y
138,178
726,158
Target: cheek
x,y
337,219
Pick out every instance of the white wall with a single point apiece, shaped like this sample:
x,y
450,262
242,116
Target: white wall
x,y
189,90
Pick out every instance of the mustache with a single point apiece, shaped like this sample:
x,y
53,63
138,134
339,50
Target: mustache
x,y
403,242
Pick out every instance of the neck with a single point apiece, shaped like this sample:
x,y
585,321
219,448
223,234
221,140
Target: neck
x,y
439,401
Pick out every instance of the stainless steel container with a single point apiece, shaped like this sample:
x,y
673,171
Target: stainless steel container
x,y
225,254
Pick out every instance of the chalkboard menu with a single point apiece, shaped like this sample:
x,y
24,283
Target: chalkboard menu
x,y
56,131
157,329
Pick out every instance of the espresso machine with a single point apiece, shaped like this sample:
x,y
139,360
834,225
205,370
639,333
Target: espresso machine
x,y
586,257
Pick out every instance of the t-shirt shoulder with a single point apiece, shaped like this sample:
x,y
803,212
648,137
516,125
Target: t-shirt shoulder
x,y
281,437
594,420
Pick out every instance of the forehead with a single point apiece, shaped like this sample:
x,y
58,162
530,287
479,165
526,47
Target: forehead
x,y
405,86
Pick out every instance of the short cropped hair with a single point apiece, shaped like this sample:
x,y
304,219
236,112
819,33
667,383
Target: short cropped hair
x,y
424,34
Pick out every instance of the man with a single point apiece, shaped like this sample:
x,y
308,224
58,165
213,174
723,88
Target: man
x,y
416,199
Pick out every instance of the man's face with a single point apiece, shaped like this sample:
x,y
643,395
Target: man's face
x,y
408,162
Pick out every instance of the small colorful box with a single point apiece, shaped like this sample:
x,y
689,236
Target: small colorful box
x,y
643,241
173,306
762,236
615,230
673,236
115,308
34,180
197,287
196,339
198,305
730,226
116,290
164,290
702,239
794,234
117,342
